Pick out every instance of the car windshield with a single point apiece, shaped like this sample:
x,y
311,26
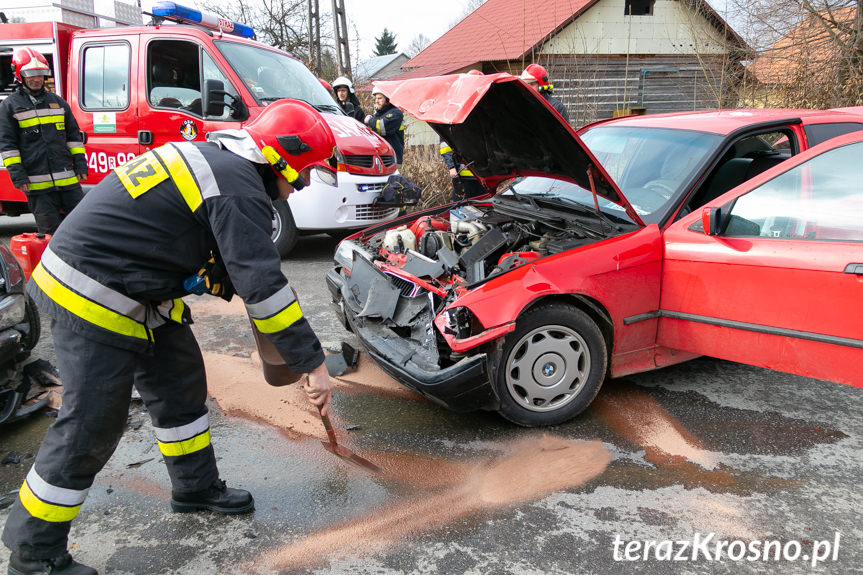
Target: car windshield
x,y
271,76
565,195
651,166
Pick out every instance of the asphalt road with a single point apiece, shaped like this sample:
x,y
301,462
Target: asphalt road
x,y
747,459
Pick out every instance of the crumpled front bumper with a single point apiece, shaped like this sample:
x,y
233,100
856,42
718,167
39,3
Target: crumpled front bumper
x,y
463,386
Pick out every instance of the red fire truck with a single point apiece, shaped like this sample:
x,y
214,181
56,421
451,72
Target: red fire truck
x,y
135,88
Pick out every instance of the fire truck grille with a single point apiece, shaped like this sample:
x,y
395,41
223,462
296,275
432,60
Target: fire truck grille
x,y
388,160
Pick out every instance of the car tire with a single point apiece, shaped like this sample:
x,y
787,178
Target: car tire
x,y
284,229
34,326
551,367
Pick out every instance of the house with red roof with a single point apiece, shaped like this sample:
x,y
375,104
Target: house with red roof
x,y
604,57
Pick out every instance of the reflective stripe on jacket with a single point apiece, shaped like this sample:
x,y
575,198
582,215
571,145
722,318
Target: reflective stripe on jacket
x,y
153,222
452,160
40,143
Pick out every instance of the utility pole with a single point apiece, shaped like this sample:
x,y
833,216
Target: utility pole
x,y
340,27
314,37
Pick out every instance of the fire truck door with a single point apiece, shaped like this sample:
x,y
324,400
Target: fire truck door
x,y
101,98
175,70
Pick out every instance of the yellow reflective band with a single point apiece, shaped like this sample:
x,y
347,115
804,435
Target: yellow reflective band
x,y
177,310
45,511
141,174
186,447
282,320
445,149
60,182
11,160
77,150
58,119
465,173
87,310
181,175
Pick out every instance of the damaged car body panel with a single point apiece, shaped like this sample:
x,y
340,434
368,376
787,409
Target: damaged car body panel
x,y
525,301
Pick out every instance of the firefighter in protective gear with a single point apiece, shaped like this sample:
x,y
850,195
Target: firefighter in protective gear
x,y
464,182
388,121
112,280
347,99
40,143
536,76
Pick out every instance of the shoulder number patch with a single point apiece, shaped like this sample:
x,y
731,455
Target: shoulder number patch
x,y
141,174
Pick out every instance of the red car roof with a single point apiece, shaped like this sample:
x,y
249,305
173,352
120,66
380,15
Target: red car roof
x,y
726,121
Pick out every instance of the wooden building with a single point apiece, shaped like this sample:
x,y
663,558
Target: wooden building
x,y
604,57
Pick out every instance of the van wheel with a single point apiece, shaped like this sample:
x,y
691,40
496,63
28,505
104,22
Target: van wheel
x,y
552,366
284,229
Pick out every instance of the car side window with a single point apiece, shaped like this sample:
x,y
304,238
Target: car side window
x,y
105,76
742,161
821,199
818,133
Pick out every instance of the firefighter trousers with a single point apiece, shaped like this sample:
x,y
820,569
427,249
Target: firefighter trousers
x,y
97,389
51,208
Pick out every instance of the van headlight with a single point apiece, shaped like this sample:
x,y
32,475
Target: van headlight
x,y
326,175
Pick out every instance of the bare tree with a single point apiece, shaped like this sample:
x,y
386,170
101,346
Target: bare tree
x,y
279,23
810,52
417,45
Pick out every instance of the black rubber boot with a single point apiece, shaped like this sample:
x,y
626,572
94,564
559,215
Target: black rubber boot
x,y
218,497
62,565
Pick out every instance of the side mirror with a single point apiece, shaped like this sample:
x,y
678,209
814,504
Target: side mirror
x,y
213,98
711,219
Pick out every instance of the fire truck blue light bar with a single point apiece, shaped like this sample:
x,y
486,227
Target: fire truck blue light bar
x,y
178,13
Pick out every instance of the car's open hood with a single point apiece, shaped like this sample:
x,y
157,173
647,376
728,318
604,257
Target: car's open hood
x,y
503,128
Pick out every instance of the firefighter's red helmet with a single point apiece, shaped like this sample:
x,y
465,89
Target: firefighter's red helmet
x,y
292,136
536,73
28,62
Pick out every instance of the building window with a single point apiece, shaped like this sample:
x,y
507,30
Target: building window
x,y
639,7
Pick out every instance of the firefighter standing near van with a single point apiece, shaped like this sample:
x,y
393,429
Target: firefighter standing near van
x,y
40,143
388,121
112,278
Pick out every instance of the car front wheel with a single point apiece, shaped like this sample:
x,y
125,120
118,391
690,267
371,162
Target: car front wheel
x,y
551,367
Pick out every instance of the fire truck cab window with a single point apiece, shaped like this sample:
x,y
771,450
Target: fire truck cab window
x,y
106,77
174,75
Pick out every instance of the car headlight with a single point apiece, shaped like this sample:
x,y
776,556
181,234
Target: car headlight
x,y
344,255
461,322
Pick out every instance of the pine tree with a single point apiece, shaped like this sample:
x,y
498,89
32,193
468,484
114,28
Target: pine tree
x,y
386,44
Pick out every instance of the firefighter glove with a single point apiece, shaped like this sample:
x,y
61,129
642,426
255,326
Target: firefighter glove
x,y
216,280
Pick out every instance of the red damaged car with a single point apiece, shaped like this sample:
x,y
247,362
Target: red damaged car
x,y
622,248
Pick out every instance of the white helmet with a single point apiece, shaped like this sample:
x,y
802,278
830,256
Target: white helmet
x,y
377,90
343,81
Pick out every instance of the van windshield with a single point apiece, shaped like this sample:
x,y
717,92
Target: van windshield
x,y
270,75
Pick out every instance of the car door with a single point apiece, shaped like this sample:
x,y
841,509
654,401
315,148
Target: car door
x,y
779,283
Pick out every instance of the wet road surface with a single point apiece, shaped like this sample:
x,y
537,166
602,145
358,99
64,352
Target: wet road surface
x,y
708,446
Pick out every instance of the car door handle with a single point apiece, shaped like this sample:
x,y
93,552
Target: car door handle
x,y
854,269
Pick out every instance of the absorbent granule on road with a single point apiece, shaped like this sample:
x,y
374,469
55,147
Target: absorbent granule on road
x,y
238,387
528,469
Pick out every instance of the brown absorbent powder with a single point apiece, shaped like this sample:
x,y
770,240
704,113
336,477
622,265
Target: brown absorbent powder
x,y
529,469
638,417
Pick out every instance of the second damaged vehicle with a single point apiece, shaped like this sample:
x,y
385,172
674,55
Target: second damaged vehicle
x,y
526,301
